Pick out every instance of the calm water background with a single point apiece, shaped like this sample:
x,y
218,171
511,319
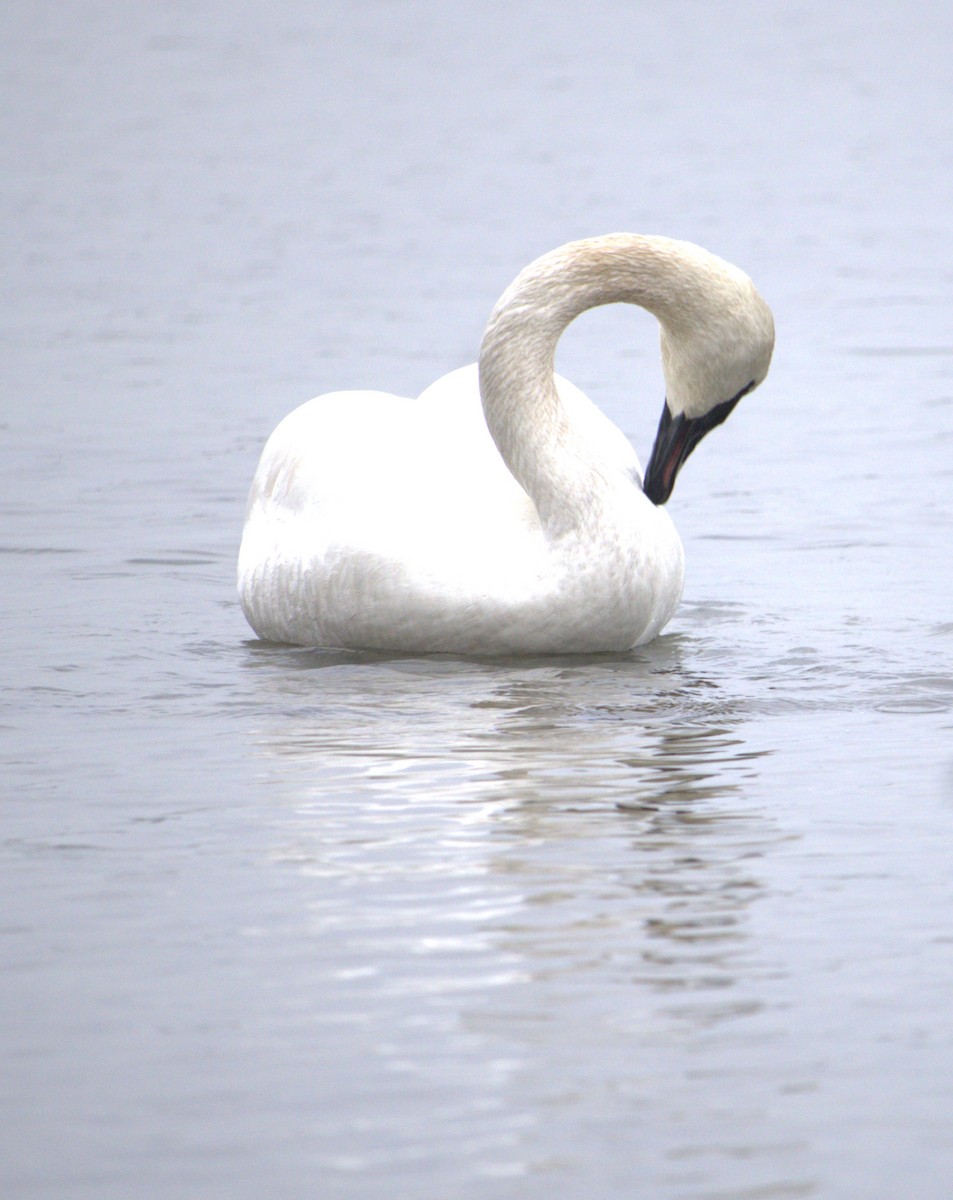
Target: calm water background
x,y
276,922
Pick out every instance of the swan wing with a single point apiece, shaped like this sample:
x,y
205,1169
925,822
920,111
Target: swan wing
x,y
416,481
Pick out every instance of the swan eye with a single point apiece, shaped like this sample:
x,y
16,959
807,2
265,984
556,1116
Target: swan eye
x,y
721,412
748,387
677,437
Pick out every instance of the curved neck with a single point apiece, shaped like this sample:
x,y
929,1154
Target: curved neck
x,y
559,470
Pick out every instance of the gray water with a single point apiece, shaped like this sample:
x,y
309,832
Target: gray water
x,y
279,922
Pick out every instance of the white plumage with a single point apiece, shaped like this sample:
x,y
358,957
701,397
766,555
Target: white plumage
x,y
501,511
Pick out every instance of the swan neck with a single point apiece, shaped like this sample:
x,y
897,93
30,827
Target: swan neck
x,y
517,361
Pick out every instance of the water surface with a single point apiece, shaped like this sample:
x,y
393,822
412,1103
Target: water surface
x,y
289,922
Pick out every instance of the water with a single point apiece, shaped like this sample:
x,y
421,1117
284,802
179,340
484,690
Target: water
x,y
283,922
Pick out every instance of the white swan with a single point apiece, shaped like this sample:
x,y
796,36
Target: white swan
x,y
519,524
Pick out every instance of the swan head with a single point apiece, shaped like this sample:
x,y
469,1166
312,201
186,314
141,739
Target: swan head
x,y
716,347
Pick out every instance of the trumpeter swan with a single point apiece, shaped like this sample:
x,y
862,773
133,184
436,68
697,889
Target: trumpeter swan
x,y
501,512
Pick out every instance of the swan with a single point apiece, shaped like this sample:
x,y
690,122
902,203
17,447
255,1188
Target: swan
x,y
501,512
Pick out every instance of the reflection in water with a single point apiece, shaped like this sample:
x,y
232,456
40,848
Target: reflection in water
x,y
632,732
525,880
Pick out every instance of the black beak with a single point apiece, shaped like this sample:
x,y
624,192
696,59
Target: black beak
x,y
677,437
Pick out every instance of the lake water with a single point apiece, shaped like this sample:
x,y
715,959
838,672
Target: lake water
x,y
274,922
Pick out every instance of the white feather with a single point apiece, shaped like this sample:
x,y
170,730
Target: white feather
x,y
500,511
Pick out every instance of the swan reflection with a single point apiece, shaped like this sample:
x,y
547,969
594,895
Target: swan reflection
x,y
524,820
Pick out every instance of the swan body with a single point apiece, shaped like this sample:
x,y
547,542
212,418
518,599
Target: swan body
x,y
501,512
